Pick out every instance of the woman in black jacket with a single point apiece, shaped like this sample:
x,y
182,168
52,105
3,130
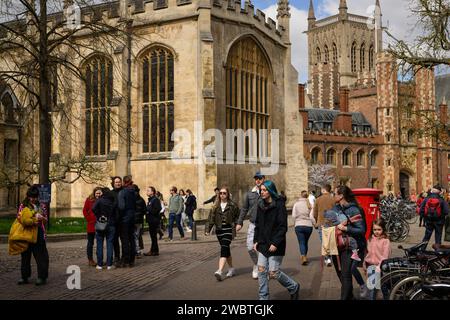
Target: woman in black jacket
x,y
223,216
104,209
153,220
270,241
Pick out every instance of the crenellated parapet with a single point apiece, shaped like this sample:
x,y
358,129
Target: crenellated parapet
x,y
232,11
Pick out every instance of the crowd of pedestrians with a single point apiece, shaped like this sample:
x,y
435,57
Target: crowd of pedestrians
x,y
117,217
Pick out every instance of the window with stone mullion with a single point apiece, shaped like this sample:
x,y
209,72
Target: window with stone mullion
x,y
98,96
158,110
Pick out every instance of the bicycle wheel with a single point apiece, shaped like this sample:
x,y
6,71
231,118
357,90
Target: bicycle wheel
x,y
389,280
404,289
413,218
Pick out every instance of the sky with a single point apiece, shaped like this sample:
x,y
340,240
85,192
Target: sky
x,y
396,17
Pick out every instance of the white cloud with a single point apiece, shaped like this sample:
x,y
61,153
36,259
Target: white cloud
x,y
299,24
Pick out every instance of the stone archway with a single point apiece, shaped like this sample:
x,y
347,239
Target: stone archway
x,y
404,184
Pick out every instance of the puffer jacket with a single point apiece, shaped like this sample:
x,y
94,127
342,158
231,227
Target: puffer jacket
x,y
271,227
356,229
230,216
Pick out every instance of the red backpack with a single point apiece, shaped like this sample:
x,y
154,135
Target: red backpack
x,y
433,209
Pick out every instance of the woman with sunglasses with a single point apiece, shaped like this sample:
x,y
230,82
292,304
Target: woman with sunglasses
x,y
223,216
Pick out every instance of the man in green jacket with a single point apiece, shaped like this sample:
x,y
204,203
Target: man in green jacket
x,y
175,209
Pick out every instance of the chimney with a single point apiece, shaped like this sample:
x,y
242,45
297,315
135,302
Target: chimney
x,y
443,112
343,121
301,96
343,100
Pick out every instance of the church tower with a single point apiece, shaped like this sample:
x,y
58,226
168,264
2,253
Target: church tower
x,y
341,51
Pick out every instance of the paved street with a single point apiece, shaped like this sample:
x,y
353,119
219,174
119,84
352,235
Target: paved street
x,y
184,270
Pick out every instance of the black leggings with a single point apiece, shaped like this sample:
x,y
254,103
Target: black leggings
x,y
225,235
40,253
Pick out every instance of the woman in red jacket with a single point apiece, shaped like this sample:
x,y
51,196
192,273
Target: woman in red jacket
x,y
91,219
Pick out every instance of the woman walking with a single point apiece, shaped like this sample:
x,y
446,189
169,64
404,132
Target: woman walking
x,y
163,224
223,216
270,241
32,217
91,220
303,215
105,211
349,210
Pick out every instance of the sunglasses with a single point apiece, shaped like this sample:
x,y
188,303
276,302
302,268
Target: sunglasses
x,y
223,193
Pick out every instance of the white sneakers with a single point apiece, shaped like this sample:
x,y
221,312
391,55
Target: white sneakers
x,y
231,272
328,262
255,272
99,267
110,268
219,275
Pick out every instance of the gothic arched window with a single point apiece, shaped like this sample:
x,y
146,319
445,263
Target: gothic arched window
x,y
371,60
335,54
158,109
8,108
373,158
248,94
410,135
319,55
98,73
331,157
360,158
362,57
327,54
347,158
315,156
353,57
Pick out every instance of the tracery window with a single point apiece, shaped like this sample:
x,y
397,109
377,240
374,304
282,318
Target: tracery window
x,y
158,109
98,73
248,88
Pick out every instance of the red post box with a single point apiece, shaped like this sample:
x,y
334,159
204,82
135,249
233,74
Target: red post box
x,y
369,200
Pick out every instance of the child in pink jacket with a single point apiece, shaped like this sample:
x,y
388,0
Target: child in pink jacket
x,y
378,249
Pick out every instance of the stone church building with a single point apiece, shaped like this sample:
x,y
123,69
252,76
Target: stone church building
x,y
360,119
207,64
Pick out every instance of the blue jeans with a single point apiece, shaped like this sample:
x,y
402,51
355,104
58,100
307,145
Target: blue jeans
x,y
175,217
272,264
435,226
100,236
303,234
190,219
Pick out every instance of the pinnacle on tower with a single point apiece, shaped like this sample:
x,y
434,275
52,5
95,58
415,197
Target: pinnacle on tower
x,y
67,3
283,9
343,15
311,16
311,11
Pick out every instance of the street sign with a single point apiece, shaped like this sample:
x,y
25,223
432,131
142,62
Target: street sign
x,y
45,193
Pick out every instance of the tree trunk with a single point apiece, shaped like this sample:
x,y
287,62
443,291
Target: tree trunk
x,y
45,124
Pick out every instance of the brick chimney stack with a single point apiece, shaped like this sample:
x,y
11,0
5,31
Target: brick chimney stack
x,y
301,96
343,100
443,108
301,105
343,121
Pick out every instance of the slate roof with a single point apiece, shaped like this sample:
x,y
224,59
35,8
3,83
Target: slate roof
x,y
320,116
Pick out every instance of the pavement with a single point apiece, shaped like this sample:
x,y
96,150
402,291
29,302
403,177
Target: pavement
x,y
184,270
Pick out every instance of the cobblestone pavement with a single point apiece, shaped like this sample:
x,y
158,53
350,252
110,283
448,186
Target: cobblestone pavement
x,y
184,270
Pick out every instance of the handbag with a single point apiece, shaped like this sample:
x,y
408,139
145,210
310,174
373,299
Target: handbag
x,y
342,238
101,224
20,233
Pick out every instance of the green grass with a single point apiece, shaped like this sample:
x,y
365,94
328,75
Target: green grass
x,y
57,225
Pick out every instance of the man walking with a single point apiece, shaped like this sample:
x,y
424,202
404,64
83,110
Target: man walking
x,y
116,183
191,206
434,209
127,210
249,208
323,203
176,205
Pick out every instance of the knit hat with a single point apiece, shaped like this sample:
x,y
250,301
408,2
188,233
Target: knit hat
x,y
272,188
